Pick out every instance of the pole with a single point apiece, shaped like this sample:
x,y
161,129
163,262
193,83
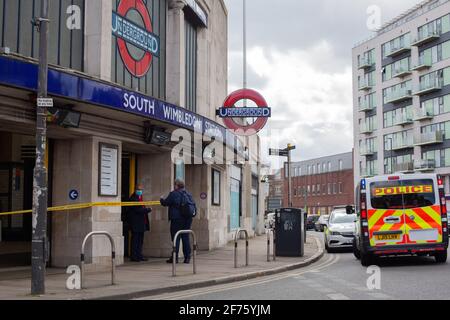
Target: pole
x,y
290,176
244,2
39,221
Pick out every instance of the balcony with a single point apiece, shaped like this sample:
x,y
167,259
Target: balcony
x,y
423,64
399,96
429,86
406,167
366,106
402,145
365,63
430,138
398,50
401,72
426,37
366,151
424,115
366,129
403,119
365,85
368,172
425,165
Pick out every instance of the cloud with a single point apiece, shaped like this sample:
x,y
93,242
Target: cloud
x,y
300,59
309,106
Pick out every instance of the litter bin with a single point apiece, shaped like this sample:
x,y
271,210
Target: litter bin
x,y
290,232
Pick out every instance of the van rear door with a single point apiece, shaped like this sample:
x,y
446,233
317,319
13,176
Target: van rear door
x,y
404,212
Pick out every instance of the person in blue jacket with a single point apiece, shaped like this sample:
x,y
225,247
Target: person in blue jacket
x,y
177,221
139,224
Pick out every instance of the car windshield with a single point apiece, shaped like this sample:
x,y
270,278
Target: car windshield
x,y
402,194
343,218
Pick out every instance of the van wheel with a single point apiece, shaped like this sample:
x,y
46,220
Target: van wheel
x,y
441,257
356,252
366,259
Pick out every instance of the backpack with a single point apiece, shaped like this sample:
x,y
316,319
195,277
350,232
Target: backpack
x,y
188,209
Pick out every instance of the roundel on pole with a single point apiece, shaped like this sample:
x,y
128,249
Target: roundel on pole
x,y
229,112
142,37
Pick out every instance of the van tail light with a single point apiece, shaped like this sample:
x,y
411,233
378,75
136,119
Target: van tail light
x,y
364,217
443,202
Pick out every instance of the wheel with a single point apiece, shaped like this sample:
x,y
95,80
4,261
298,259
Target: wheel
x,y
366,259
441,257
356,252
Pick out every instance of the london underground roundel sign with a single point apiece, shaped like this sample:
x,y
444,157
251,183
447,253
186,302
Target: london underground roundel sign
x,y
229,112
131,33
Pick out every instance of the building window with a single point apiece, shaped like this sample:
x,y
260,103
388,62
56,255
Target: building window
x,y
179,170
191,65
329,188
216,187
341,190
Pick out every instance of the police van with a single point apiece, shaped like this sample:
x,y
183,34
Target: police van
x,y
400,215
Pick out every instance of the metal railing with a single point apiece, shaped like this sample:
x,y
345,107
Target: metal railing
x,y
238,233
273,245
113,255
174,251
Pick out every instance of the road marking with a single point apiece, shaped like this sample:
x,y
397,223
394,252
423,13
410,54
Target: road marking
x,y
326,290
332,259
379,295
337,296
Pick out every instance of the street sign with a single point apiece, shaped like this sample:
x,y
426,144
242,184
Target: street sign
x,y
73,195
45,102
278,152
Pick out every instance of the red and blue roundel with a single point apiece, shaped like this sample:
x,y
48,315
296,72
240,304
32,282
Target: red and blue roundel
x,y
142,37
229,111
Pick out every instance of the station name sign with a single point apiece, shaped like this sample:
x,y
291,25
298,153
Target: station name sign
x,y
244,112
134,34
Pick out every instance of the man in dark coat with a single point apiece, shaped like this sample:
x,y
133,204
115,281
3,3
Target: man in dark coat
x,y
139,224
177,221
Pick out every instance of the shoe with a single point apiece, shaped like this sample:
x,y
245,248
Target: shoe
x,y
135,260
171,261
187,260
144,259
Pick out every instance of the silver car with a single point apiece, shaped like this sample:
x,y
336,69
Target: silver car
x,y
341,231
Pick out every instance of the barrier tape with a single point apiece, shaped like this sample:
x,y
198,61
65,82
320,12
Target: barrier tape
x,y
86,206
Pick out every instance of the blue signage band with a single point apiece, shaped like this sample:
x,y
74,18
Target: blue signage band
x,y
24,74
244,112
134,34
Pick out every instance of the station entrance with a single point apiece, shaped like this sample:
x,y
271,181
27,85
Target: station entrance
x,y
17,161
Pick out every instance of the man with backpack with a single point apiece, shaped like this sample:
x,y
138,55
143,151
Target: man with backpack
x,y
182,210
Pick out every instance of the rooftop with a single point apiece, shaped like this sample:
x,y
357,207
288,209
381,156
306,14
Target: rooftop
x,y
416,11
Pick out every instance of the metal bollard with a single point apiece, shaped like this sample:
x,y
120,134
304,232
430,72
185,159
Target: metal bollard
x,y
238,233
174,251
268,244
113,255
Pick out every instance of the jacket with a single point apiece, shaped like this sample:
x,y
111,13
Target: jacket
x,y
173,202
138,216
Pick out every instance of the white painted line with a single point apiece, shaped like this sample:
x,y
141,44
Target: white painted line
x,y
379,295
337,296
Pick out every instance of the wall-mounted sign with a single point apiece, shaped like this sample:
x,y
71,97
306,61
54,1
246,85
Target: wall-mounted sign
x,y
230,111
73,195
108,170
129,33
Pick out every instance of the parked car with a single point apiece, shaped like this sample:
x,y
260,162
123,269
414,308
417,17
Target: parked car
x,y
321,223
341,231
311,221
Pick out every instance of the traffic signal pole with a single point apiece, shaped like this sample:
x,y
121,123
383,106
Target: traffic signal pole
x,y
40,192
289,176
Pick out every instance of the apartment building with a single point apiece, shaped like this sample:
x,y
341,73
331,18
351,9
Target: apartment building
x,y
401,85
320,184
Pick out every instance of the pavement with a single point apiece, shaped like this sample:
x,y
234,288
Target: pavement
x,y
137,280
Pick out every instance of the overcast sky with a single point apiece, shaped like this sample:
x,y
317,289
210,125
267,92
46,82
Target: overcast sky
x,y
299,58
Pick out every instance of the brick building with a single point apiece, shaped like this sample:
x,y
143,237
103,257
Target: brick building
x,y
321,184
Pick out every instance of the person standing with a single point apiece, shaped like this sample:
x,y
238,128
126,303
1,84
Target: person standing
x,y
139,224
179,218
